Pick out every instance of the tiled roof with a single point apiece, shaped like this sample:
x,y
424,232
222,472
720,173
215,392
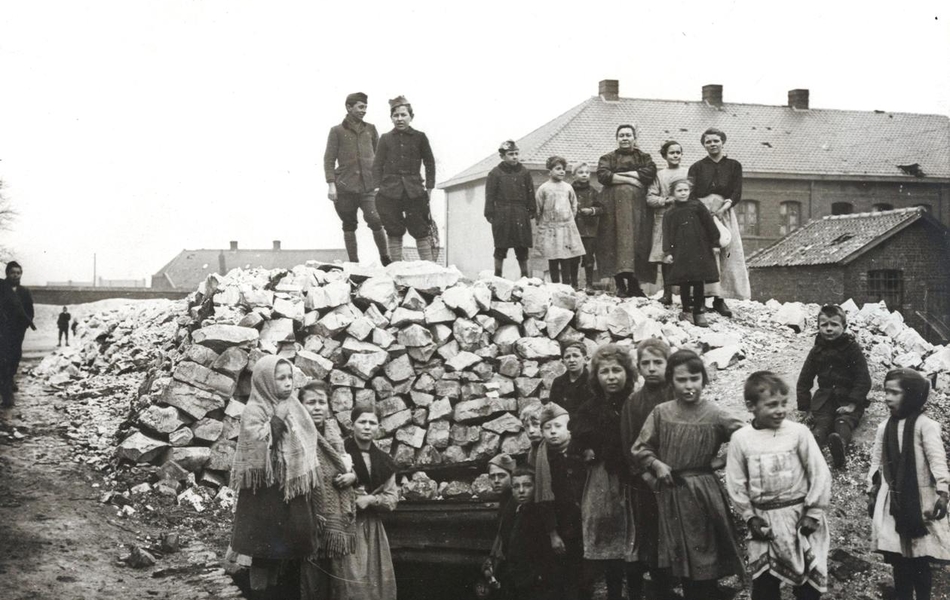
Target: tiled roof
x,y
835,239
765,139
190,267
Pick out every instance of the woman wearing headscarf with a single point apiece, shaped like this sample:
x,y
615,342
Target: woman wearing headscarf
x,y
275,468
626,227
717,182
368,572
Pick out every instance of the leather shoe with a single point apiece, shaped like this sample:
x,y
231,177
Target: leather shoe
x,y
719,305
699,319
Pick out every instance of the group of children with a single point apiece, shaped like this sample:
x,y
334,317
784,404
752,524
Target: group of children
x,y
620,483
685,234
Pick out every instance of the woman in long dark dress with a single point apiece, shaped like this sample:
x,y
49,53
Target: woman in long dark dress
x,y
275,468
626,228
717,182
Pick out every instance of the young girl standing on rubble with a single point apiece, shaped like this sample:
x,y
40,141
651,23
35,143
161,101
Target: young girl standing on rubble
x,y
558,238
689,236
908,486
678,445
275,468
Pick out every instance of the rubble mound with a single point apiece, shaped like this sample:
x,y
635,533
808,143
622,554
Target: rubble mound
x,y
449,363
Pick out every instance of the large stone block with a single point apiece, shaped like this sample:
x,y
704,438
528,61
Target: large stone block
x,y
160,419
390,424
471,410
509,365
204,378
556,319
428,456
516,444
140,448
221,337
403,316
446,388
412,436
439,434
231,362
378,290
336,320
537,348
192,401
463,435
506,423
184,436
535,301
507,312
391,406
341,378
438,312
190,458
792,315
486,447
423,275
505,338
341,400
366,365
290,308
624,319
202,355
361,328
461,299
527,386
312,364
414,336
336,293
439,409
276,331
462,361
400,369
208,430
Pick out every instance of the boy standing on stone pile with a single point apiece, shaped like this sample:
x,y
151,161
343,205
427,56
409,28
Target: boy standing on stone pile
x,y
843,383
348,165
509,207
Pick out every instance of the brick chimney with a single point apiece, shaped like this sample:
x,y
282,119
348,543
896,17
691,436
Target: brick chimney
x,y
276,244
798,99
712,95
233,244
609,90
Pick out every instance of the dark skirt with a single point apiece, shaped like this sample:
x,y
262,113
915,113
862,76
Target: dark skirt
x,y
626,233
267,527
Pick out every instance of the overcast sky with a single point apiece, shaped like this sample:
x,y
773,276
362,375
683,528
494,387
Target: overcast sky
x,y
132,129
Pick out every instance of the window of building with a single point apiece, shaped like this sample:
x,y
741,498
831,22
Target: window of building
x,y
747,214
881,207
886,285
791,217
842,208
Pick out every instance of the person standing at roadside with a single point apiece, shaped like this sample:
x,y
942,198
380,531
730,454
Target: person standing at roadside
x,y
403,195
348,163
16,315
62,323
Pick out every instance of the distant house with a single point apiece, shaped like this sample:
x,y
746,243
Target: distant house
x,y
899,256
800,163
190,267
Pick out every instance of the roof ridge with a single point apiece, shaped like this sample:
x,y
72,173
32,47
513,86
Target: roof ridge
x,y
801,110
873,213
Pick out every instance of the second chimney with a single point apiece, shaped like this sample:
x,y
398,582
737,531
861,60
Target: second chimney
x,y
233,245
798,99
712,95
276,244
609,89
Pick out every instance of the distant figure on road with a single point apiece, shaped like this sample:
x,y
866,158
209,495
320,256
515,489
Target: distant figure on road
x,y
348,164
63,324
16,314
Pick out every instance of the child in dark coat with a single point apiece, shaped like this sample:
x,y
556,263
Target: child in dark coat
x,y
509,207
589,209
843,383
689,237
572,389
560,484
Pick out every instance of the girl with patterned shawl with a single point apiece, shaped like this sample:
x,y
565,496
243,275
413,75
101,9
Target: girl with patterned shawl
x,y
275,468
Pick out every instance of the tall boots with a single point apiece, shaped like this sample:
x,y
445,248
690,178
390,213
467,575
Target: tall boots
x,y
395,248
379,236
499,263
554,268
589,278
424,246
349,242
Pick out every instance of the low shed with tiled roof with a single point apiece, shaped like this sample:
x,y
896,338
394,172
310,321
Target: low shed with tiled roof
x,y
899,256
800,163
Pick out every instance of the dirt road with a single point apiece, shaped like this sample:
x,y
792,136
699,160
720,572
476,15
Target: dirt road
x,y
58,541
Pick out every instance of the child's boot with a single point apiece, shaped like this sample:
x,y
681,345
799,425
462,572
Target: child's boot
x,y
498,266
523,265
395,247
424,246
837,447
349,242
621,286
379,236
667,299
554,268
589,279
699,319
633,287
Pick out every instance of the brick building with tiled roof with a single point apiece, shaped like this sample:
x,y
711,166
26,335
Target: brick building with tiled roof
x,y
900,256
800,163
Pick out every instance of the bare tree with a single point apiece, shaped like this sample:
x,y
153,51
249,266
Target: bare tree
x,y
7,216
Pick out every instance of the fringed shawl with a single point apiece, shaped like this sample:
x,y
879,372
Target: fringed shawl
x,y
334,510
293,464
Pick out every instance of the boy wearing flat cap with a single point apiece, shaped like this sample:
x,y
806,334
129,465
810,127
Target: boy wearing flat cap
x,y
509,207
403,197
348,164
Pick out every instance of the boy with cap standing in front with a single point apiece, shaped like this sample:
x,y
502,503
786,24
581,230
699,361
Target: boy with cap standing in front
x,y
509,207
559,483
348,165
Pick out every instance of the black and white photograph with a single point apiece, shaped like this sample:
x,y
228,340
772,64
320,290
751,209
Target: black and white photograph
x,y
485,301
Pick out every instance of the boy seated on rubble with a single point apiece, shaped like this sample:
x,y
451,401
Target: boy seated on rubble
x,y
843,383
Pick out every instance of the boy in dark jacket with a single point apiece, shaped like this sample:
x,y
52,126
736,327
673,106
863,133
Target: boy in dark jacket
x,y
560,478
62,322
589,209
509,207
843,383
